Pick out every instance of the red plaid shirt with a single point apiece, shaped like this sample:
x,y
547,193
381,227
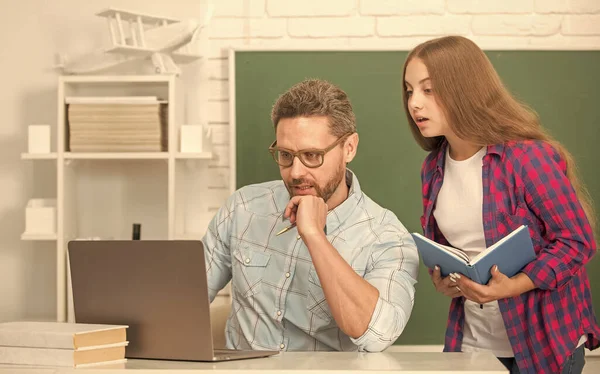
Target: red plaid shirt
x,y
525,183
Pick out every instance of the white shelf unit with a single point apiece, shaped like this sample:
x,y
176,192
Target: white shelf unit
x,y
41,237
116,156
39,156
100,195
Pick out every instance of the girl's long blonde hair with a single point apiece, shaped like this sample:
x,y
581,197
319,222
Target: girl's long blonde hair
x,y
477,105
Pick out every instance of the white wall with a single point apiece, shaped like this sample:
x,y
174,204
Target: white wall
x,y
34,30
31,32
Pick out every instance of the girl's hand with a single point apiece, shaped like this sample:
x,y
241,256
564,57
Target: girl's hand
x,y
499,287
445,285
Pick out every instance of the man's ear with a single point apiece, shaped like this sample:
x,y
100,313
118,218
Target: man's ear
x,y
350,147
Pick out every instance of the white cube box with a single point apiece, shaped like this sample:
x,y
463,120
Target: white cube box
x,y
191,138
38,139
40,216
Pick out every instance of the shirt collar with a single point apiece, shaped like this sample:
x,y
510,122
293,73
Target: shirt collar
x,y
340,214
441,156
497,149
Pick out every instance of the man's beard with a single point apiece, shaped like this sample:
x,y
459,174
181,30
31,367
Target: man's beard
x,y
327,191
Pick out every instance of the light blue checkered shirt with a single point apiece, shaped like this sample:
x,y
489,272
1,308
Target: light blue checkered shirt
x,y
278,302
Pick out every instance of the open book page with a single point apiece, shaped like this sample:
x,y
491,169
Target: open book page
x,y
457,252
450,250
486,251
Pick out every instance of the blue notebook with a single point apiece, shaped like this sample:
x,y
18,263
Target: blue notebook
x,y
510,253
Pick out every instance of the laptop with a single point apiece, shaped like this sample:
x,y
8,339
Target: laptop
x,y
156,287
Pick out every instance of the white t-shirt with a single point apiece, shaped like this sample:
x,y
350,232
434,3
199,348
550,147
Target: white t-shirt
x,y
458,212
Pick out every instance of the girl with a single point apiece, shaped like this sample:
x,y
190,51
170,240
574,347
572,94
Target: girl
x,y
492,168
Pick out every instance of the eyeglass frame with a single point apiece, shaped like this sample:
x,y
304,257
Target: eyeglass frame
x,y
322,152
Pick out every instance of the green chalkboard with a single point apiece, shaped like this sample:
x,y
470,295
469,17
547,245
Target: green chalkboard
x,y
562,86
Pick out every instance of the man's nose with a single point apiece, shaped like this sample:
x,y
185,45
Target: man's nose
x,y
297,169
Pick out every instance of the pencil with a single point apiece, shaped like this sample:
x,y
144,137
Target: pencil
x,y
286,229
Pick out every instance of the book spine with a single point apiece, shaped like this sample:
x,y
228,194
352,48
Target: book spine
x,y
35,339
116,364
473,274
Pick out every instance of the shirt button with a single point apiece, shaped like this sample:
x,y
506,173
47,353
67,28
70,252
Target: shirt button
x,y
287,275
279,312
282,346
298,237
247,260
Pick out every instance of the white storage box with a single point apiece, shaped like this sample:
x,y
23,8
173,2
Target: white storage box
x,y
40,216
192,138
39,139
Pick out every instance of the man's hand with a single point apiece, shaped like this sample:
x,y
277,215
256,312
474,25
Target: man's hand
x,y
499,287
445,285
309,213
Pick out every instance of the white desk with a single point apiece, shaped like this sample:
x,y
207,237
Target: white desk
x,y
303,363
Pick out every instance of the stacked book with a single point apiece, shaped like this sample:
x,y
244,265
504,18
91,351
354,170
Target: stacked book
x,y
116,124
61,344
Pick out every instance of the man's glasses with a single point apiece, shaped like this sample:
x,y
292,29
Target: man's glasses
x,y
311,157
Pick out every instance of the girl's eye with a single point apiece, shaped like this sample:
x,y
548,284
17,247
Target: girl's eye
x,y
428,90
408,92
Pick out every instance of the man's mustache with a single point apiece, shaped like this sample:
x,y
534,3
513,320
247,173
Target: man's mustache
x,y
299,182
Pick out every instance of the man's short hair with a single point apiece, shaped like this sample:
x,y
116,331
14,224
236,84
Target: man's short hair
x,y
316,97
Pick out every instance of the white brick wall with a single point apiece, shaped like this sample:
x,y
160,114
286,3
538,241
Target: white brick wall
x,y
531,24
218,111
406,7
583,6
218,90
551,6
217,70
386,24
220,134
239,8
489,6
331,27
567,6
228,28
310,8
423,25
581,25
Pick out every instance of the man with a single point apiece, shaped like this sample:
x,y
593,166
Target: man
x,y
342,277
